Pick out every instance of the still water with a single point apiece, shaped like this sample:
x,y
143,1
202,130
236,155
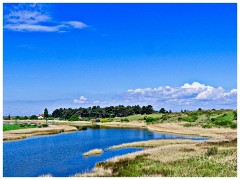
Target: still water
x,y
61,154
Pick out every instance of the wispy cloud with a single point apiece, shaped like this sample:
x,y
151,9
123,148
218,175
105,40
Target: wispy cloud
x,y
35,18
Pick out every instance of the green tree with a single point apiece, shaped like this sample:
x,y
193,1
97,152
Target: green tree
x,y
9,117
33,117
162,110
46,114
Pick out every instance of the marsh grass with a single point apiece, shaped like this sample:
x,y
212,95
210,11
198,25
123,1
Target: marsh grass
x,y
93,152
23,133
152,143
173,160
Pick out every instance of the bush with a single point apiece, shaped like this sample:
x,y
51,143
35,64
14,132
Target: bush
x,y
212,151
33,117
74,118
44,125
150,119
233,125
125,120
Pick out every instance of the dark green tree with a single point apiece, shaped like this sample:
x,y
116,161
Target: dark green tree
x,y
33,117
162,110
46,115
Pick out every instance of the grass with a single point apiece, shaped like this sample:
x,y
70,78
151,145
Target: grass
x,y
205,118
221,162
201,166
27,132
152,143
93,152
8,127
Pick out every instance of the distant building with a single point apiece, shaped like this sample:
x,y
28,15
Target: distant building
x,y
41,116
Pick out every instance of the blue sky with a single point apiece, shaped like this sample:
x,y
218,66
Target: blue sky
x,y
177,56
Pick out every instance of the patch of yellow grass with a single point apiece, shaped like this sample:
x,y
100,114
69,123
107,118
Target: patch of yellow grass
x,y
93,152
24,133
152,143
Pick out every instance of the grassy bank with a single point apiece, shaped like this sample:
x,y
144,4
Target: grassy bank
x,y
200,159
8,127
28,132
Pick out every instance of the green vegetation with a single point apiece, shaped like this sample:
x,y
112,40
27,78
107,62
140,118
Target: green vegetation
x,y
125,120
214,163
74,118
212,151
8,127
33,117
200,166
106,112
104,120
150,119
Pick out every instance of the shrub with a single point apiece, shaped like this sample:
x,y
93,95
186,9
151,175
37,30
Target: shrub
x,y
44,125
233,125
125,120
212,151
33,117
74,118
150,119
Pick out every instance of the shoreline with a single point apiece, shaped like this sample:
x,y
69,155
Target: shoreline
x,y
182,148
57,127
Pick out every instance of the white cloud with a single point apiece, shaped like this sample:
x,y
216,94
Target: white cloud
x,y
31,27
189,94
76,24
81,100
34,18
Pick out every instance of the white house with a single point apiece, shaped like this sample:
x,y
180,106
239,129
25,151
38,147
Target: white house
x,y
40,116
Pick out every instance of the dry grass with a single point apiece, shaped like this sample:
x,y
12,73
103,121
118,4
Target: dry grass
x,y
163,158
24,133
132,124
152,143
93,152
218,134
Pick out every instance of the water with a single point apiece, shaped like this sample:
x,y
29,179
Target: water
x,y
61,154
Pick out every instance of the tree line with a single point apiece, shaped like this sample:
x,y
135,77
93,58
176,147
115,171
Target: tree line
x,y
102,112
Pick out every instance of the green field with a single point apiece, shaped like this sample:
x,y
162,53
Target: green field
x,y
8,127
